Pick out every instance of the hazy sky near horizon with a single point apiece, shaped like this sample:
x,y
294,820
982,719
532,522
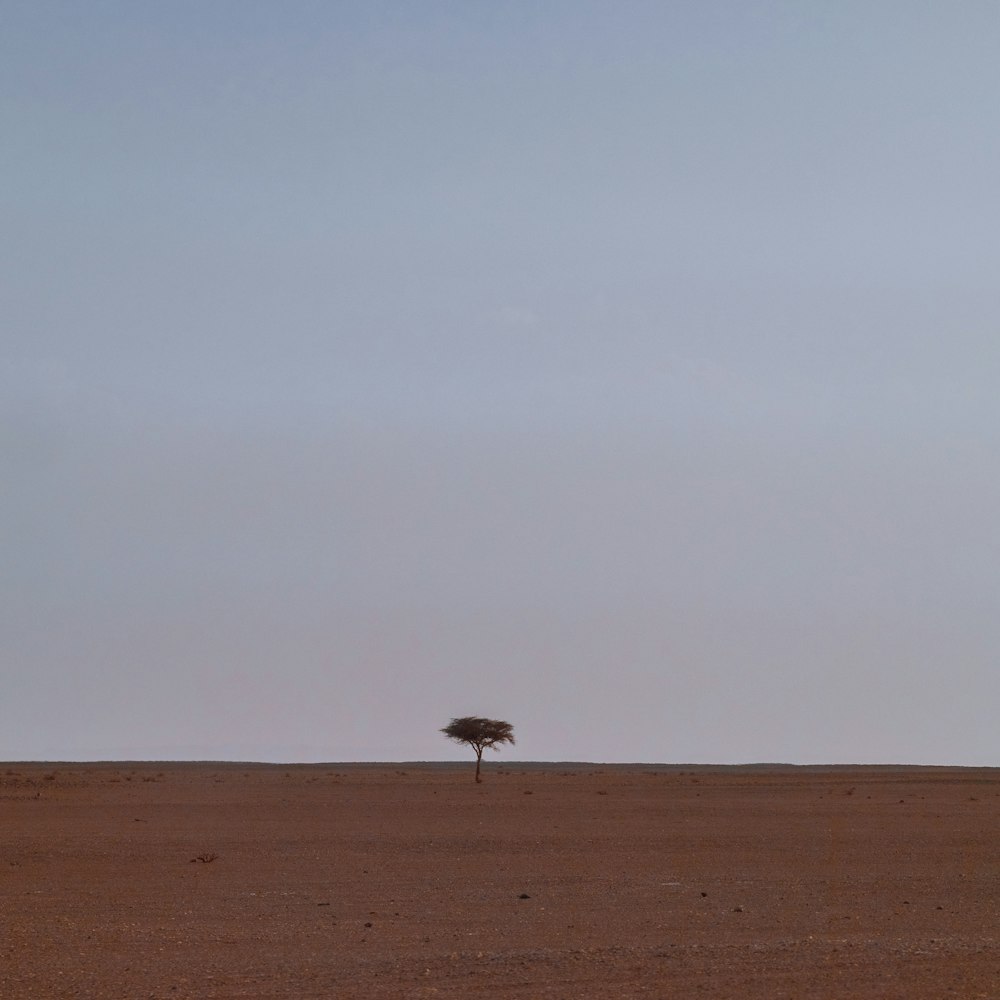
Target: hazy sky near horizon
x,y
627,370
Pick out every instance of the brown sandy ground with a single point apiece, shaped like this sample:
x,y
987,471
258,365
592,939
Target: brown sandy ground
x,y
233,880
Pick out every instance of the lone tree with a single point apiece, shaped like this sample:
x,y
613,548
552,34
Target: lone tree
x,y
479,734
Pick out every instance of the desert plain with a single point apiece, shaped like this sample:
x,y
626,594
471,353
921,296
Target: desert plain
x,y
223,880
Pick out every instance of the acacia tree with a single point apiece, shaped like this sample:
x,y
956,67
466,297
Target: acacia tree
x,y
479,734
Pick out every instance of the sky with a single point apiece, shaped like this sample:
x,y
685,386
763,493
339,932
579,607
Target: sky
x,y
627,371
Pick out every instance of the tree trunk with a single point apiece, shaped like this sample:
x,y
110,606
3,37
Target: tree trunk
x,y
479,757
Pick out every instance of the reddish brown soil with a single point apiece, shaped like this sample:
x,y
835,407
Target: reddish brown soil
x,y
231,880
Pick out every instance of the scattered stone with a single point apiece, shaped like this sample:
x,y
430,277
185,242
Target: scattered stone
x,y
524,895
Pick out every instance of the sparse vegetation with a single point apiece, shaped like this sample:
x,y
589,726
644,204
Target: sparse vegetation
x,y
479,734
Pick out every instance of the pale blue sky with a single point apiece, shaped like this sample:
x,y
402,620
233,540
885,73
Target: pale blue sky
x,y
625,370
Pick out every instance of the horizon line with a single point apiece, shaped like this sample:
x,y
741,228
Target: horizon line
x,y
460,763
